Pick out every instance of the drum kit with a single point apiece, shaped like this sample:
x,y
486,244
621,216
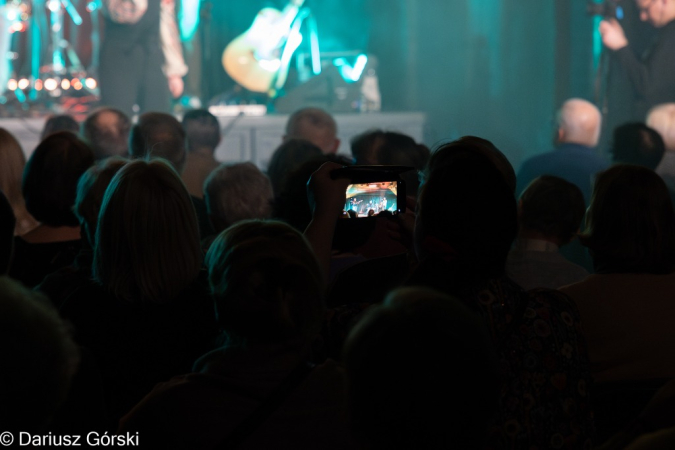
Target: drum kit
x,y
41,63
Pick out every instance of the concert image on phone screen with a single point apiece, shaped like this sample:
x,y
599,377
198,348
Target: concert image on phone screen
x,y
370,199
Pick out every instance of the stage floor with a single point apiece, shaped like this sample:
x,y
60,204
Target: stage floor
x,y
254,139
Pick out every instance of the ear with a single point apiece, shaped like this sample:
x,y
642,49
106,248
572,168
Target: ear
x,y
561,135
336,146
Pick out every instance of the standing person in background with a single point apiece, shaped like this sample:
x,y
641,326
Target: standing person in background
x,y
140,49
651,77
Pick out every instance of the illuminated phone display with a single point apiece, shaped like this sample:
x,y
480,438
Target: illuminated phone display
x,y
370,199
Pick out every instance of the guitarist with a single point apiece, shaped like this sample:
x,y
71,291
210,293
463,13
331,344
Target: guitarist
x,y
141,48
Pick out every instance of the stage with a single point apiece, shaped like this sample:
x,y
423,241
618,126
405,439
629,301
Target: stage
x,y
254,138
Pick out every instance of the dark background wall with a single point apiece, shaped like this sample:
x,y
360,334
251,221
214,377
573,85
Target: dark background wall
x,y
493,68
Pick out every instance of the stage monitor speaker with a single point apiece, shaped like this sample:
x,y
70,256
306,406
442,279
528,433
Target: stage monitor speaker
x,y
328,91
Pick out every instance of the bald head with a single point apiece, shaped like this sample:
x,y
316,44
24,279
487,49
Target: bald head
x,y
579,123
314,125
662,119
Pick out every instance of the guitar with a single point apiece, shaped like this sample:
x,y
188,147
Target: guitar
x,y
258,59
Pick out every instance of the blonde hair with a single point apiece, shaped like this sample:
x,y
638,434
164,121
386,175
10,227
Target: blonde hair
x,y
12,163
662,119
147,241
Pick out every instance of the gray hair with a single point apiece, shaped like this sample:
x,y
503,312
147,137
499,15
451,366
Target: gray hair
x,y
237,192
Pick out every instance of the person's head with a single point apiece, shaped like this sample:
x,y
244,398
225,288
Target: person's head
x,y
446,152
51,175
7,224
107,131
630,225
662,119
12,163
551,208
158,135
90,191
314,125
60,122
579,122
466,204
287,157
377,147
202,130
147,240
401,393
657,12
39,359
636,143
266,283
237,192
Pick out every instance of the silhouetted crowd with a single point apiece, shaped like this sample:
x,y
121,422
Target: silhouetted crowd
x,y
159,298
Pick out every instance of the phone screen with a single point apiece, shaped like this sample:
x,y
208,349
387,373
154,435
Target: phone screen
x,y
370,199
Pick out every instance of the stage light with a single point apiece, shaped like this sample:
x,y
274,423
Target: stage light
x,y
351,73
53,5
38,85
77,84
65,84
360,64
90,83
12,84
24,83
51,84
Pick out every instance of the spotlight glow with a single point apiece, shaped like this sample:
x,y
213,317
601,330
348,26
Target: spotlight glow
x,y
12,84
65,84
90,83
38,85
24,83
51,84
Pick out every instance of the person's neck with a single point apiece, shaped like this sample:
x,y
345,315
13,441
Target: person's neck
x,y
203,151
583,144
43,234
538,236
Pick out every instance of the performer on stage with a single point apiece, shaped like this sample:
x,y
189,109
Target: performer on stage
x,y
654,76
141,55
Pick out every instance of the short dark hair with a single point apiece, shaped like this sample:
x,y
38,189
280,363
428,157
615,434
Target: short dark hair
x,y
36,346
59,122
391,148
401,395
467,204
90,191
202,129
445,152
107,138
50,178
158,135
630,224
636,143
266,282
287,157
553,207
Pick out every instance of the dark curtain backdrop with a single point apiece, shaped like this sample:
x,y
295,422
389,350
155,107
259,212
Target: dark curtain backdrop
x,y
492,68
